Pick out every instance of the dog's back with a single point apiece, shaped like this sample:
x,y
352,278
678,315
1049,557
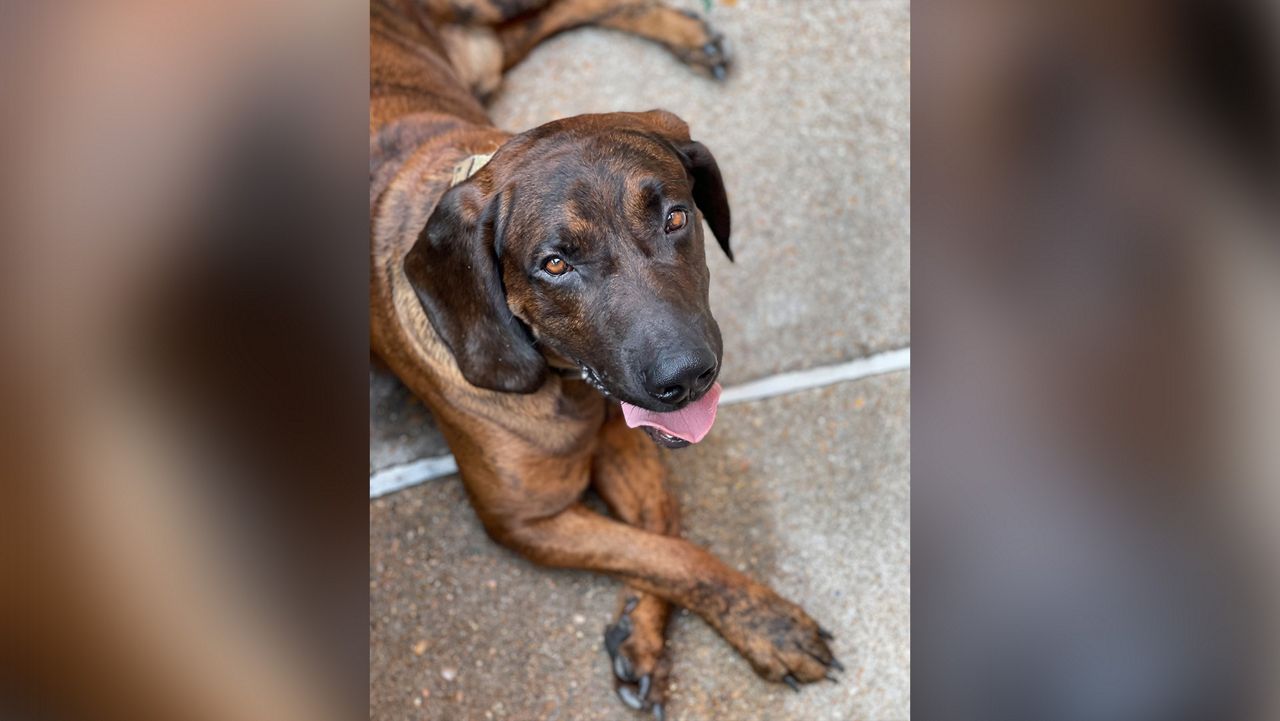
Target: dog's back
x,y
415,94
423,120
409,68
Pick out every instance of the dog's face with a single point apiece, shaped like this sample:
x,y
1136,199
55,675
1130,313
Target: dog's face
x,y
604,261
582,237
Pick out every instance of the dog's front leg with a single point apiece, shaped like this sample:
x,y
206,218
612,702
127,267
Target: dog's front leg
x,y
629,476
777,637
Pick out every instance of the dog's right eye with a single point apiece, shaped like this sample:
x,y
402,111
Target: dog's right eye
x,y
676,220
555,265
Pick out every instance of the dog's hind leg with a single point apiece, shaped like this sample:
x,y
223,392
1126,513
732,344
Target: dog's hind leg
x,y
476,56
685,34
467,30
475,12
629,476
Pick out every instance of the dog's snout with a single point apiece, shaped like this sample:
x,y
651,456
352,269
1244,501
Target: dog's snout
x,y
676,377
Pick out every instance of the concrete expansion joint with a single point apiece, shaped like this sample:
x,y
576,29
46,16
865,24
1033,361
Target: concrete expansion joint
x,y
407,475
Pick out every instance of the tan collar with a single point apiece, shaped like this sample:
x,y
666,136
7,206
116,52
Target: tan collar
x,y
469,167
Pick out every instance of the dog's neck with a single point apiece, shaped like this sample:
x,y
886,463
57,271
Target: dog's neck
x,y
436,139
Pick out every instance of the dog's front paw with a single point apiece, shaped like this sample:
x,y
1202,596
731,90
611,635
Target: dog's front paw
x,y
780,641
636,656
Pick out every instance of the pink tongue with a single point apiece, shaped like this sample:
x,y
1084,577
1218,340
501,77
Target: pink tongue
x,y
690,423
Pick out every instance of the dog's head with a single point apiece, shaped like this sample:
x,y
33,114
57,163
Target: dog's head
x,y
582,237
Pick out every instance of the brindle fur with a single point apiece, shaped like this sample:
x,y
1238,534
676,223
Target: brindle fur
x,y
529,441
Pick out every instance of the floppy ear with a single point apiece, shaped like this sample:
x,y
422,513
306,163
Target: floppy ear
x,y
454,271
708,190
708,186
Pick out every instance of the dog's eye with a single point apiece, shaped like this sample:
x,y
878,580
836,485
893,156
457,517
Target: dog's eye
x,y
676,219
555,265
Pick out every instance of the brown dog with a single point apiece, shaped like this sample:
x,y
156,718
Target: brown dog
x,y
539,300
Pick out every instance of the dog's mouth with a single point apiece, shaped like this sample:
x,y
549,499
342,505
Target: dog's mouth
x,y
665,440
676,428
593,378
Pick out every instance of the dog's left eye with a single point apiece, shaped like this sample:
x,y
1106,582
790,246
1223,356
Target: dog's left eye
x,y
555,265
676,219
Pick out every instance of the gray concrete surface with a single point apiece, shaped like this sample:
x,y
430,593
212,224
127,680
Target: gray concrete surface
x,y
400,426
809,492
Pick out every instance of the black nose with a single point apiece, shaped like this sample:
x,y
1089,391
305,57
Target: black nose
x,y
676,377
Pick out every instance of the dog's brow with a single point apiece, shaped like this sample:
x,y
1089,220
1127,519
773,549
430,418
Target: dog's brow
x,y
575,228
589,197
644,196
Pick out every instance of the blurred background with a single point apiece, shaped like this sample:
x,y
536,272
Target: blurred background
x,y
1095,289
184,307
807,491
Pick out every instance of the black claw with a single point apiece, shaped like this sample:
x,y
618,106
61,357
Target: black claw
x,y
630,605
832,679
659,713
617,633
622,668
719,72
825,634
645,681
629,698
792,682
710,49
819,659
835,663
